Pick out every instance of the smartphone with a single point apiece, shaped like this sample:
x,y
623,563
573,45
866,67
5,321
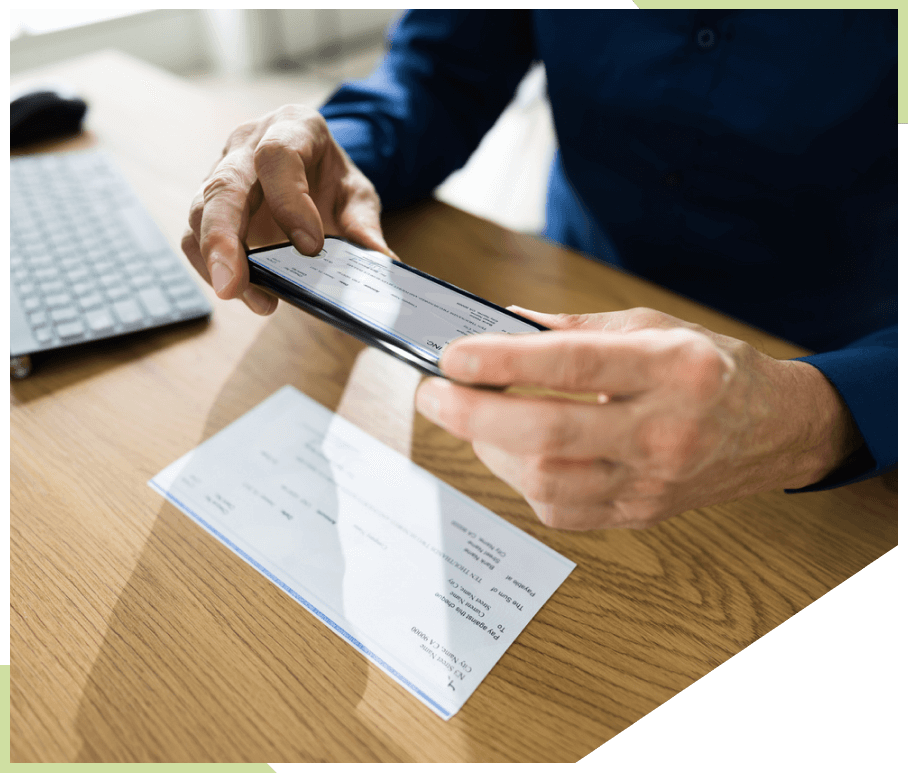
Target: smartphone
x,y
382,302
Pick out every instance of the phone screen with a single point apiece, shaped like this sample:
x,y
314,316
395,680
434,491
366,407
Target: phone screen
x,y
381,301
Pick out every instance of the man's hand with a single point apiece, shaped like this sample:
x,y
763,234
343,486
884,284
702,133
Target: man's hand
x,y
675,417
281,176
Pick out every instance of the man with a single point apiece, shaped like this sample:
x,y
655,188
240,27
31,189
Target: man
x,y
746,159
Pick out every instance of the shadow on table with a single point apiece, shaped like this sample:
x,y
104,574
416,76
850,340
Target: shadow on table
x,y
204,659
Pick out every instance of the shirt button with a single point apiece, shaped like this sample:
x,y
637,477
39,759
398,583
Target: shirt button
x,y
706,38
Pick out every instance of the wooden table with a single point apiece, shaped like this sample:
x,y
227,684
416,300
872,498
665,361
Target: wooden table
x,y
136,636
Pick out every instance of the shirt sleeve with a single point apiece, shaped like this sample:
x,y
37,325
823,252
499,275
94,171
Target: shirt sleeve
x,y
865,374
445,80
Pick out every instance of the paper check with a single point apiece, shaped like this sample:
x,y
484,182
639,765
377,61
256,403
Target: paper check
x,y
426,583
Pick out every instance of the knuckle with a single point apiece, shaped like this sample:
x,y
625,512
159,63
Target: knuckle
x,y
243,134
226,180
269,151
316,122
537,482
701,367
288,112
292,111
313,122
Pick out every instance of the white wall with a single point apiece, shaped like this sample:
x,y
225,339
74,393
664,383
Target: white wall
x,y
230,42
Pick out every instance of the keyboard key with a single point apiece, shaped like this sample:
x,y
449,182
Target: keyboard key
x,y
61,299
155,301
143,279
45,274
50,288
128,311
71,330
69,264
117,292
99,320
26,289
114,280
78,275
37,318
91,301
83,288
42,334
65,314
43,261
31,304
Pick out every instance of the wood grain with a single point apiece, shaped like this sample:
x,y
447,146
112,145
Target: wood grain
x,y
136,636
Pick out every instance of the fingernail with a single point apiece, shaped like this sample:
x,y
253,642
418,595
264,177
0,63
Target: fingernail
x,y
221,276
304,242
427,402
526,312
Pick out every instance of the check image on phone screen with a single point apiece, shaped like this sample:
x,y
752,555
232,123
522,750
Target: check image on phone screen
x,y
368,285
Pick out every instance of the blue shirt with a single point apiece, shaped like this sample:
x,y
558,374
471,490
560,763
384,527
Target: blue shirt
x,y
746,159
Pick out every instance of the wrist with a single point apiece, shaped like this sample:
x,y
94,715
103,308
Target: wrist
x,y
822,432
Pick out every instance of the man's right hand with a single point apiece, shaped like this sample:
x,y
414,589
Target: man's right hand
x,y
280,176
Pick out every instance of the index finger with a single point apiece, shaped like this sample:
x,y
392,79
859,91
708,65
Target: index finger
x,y
571,361
280,165
225,220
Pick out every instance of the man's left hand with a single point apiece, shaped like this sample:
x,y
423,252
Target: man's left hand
x,y
671,416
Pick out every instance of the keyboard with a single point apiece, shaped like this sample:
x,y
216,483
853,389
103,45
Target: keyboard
x,y
87,262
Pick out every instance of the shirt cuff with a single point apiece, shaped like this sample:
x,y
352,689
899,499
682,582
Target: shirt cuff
x,y
866,376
